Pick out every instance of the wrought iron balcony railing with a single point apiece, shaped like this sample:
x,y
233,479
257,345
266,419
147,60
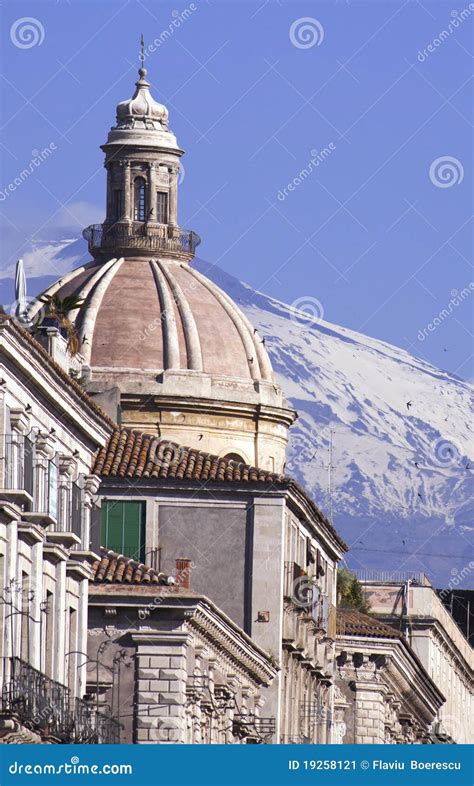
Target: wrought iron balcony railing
x,y
46,706
140,236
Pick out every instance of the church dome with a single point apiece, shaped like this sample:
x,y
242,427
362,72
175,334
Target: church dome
x,y
146,316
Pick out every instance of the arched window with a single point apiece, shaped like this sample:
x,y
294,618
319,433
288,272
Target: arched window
x,y
140,199
234,457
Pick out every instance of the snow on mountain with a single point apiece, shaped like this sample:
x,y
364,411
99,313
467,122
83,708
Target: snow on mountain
x,y
396,431
383,441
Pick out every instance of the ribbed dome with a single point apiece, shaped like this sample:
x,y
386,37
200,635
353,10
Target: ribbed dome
x,y
151,316
142,111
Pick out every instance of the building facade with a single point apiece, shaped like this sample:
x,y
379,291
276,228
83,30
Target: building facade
x,y
175,668
415,609
383,695
49,433
261,551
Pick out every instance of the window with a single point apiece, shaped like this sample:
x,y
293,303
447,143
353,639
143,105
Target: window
x,y
118,204
162,207
140,199
234,457
123,527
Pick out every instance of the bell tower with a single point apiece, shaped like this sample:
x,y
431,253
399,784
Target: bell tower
x,y
142,162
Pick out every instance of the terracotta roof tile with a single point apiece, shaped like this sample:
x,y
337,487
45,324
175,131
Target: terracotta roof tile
x,y
133,454
113,568
350,622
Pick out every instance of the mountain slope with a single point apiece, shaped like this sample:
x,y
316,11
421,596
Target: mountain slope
x,y
396,431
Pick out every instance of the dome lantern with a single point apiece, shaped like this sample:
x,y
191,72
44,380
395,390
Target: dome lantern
x,y
142,162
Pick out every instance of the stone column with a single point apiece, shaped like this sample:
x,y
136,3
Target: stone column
x,y
127,193
173,205
91,487
151,193
110,195
67,468
161,696
44,451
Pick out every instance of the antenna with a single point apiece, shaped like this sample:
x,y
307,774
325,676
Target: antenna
x,y
330,469
142,50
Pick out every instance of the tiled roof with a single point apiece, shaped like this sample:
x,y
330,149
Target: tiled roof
x,y
350,622
133,454
113,568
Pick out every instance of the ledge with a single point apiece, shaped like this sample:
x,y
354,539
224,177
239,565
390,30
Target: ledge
x,y
17,497
66,539
30,533
43,519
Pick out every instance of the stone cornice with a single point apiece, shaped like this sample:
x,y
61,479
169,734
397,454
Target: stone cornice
x,y
206,623
403,669
63,392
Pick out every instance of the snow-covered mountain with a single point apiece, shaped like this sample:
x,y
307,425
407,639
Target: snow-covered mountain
x,y
383,441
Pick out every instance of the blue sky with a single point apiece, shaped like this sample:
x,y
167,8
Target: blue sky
x,y
368,233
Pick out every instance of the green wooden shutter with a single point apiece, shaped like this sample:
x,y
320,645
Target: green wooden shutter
x,y
123,527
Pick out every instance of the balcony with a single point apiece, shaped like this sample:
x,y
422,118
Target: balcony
x,y
17,468
46,707
140,238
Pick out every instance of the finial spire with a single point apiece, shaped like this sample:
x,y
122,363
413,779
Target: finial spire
x,y
142,69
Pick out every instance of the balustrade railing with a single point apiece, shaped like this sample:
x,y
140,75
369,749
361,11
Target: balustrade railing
x,y
45,706
141,236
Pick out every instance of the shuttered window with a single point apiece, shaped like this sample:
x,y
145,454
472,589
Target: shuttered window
x,y
123,527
